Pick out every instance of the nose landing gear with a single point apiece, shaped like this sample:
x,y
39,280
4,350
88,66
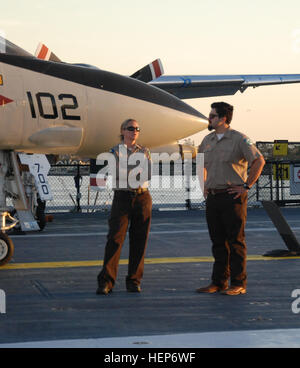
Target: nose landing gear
x,y
6,249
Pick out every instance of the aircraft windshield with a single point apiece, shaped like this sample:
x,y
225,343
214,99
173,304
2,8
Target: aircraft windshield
x,y
7,47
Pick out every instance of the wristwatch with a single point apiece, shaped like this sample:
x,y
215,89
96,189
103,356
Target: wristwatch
x,y
246,186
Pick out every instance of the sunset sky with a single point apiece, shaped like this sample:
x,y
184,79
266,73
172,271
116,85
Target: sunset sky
x,y
190,37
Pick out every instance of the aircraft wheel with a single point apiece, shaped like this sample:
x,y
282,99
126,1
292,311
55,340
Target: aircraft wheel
x,y
6,249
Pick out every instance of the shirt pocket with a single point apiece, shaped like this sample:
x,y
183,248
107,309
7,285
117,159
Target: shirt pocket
x,y
225,155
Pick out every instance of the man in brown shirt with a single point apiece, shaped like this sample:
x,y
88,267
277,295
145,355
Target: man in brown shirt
x,y
227,155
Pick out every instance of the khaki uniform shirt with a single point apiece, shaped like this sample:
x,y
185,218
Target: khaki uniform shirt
x,y
125,166
226,160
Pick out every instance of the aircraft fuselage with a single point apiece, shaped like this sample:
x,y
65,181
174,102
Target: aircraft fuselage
x,y
48,107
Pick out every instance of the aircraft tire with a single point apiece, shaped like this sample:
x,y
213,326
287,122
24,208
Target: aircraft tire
x,y
6,249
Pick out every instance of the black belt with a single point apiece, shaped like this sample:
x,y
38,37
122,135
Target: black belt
x,y
133,191
217,191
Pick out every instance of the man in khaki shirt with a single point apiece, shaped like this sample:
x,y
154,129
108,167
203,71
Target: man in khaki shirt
x,y
227,156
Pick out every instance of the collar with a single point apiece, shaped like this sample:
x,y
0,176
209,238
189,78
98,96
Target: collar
x,y
133,149
227,134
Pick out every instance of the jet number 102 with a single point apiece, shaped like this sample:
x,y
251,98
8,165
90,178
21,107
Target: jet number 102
x,y
44,97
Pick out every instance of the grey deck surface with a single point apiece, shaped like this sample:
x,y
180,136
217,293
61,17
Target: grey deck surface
x,y
58,303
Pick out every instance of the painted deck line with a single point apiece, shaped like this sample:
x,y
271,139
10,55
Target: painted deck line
x,y
96,263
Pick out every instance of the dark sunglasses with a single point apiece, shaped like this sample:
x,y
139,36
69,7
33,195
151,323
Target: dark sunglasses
x,y
212,116
132,129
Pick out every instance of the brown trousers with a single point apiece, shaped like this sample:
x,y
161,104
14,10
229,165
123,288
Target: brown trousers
x,y
226,220
136,209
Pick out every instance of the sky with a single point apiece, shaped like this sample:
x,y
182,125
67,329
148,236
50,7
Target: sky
x,y
190,37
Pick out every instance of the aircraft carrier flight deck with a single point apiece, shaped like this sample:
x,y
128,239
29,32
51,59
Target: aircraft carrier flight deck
x,y
50,288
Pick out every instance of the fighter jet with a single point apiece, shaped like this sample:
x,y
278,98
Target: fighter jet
x,y
48,106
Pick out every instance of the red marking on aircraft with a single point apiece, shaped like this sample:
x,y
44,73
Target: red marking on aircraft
x,y
157,68
43,52
4,100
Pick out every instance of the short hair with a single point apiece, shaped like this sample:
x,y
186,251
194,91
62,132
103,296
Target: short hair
x,y
223,109
124,125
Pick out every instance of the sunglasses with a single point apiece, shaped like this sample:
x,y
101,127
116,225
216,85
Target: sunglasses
x,y
212,116
132,129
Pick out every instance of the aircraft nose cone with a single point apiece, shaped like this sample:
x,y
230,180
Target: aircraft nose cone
x,y
147,92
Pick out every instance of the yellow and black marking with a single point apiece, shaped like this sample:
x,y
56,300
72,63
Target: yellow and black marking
x,y
97,263
281,171
280,148
1,80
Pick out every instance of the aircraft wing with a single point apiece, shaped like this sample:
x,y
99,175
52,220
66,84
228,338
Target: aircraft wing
x,y
196,86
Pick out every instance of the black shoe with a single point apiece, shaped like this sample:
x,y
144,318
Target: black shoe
x,y
103,290
133,288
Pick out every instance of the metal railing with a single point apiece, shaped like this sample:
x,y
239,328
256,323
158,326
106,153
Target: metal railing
x,y
277,183
70,185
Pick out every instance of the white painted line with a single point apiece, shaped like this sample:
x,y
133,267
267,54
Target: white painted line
x,y
254,229
277,338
